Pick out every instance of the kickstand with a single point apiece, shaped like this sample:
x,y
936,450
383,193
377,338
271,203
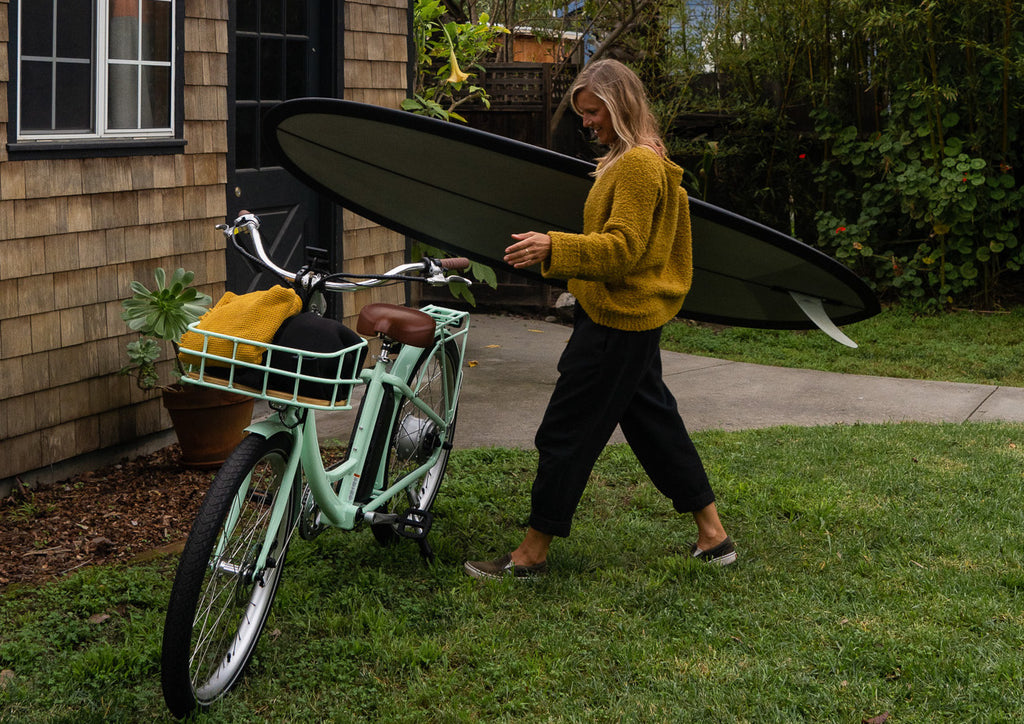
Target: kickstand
x,y
426,551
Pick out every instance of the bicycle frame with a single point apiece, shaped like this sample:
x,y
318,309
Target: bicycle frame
x,y
339,509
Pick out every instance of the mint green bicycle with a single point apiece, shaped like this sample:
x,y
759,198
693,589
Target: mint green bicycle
x,y
276,483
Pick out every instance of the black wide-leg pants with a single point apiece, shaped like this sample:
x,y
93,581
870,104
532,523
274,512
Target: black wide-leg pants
x,y
609,377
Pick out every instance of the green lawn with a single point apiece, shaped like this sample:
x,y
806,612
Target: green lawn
x,y
953,347
880,571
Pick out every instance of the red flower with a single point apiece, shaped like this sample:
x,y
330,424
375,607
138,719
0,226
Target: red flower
x,y
802,156
841,229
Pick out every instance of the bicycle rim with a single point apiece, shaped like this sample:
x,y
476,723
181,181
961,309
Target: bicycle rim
x,y
414,437
220,601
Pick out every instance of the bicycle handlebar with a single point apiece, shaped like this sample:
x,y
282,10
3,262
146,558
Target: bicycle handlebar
x,y
430,271
455,262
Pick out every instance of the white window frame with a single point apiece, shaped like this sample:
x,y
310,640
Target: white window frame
x,y
101,63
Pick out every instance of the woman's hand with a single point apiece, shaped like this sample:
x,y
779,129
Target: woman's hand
x,y
530,248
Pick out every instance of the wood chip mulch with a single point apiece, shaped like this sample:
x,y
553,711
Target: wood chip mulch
x,y
116,514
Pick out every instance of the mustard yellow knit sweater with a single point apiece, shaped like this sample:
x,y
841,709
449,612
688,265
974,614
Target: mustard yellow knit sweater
x,y
631,267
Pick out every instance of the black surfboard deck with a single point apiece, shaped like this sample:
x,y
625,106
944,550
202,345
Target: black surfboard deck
x,y
468,191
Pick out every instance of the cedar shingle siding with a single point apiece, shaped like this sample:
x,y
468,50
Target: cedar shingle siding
x,y
376,71
75,231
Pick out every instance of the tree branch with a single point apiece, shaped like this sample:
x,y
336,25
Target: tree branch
x,y
620,28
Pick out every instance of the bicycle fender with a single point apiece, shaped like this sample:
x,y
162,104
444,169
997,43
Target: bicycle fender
x,y
267,428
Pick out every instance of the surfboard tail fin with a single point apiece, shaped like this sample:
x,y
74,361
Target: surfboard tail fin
x,y
815,311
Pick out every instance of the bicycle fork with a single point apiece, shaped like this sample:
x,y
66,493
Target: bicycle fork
x,y
280,506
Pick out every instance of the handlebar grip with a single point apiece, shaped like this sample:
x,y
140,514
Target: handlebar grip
x,y
456,262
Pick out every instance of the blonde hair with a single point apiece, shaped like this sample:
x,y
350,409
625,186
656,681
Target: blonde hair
x,y
623,93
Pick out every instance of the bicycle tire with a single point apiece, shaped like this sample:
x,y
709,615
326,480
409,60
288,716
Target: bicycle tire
x,y
412,437
219,603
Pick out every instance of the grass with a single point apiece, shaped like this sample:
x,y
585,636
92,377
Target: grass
x,y
953,347
881,570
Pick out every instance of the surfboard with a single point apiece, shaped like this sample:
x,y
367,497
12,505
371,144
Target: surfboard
x,y
467,191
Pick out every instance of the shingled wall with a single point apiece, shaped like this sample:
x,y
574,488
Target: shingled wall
x,y
376,71
74,232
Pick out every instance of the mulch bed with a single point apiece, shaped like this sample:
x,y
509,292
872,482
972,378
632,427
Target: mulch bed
x,y
114,514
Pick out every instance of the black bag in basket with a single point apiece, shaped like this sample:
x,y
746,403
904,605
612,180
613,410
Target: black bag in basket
x,y
313,333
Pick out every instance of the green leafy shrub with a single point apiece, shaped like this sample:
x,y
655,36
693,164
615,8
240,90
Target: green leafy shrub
x,y
888,134
443,49
159,314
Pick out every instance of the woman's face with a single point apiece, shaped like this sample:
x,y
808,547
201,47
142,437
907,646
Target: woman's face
x,y
595,116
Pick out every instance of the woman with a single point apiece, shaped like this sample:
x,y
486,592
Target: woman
x,y
630,270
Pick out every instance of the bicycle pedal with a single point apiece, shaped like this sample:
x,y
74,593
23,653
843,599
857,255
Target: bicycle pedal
x,y
414,524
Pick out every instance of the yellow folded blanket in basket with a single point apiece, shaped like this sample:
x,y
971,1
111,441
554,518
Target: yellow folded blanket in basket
x,y
256,316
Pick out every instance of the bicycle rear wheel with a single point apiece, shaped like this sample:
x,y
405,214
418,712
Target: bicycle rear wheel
x,y
220,601
412,437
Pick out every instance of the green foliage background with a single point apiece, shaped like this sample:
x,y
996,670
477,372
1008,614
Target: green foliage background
x,y
886,133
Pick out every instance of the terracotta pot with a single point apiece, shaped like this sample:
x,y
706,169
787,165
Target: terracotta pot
x,y
209,423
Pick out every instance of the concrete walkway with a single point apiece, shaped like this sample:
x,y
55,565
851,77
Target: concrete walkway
x,y
514,370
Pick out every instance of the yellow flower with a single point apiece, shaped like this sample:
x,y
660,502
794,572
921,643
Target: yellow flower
x,y
457,75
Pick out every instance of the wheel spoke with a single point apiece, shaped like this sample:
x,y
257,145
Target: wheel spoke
x,y
415,438
218,587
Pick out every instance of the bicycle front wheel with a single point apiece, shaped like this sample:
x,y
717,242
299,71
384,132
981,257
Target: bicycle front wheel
x,y
221,597
412,437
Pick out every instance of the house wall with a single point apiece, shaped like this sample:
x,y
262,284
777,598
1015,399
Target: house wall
x,y
376,72
73,233
531,49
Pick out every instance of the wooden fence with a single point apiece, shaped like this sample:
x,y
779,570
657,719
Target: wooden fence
x,y
523,98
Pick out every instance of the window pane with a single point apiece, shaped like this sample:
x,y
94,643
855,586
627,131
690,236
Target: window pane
x,y
270,16
247,129
123,100
156,30
296,20
271,69
296,69
37,29
36,85
248,16
156,97
267,156
74,97
248,55
124,30
74,28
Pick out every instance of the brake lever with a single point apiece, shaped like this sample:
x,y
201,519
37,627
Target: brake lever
x,y
436,268
440,280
